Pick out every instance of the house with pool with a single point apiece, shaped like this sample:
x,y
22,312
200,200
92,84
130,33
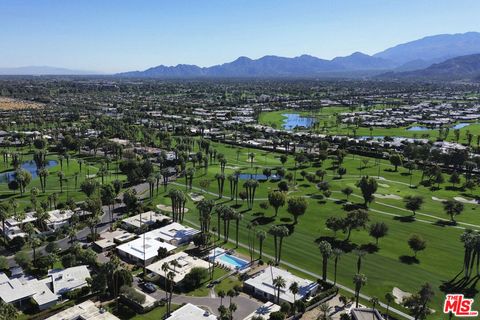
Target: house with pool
x,y
261,286
224,258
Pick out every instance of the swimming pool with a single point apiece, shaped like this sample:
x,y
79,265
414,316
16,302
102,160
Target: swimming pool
x,y
230,261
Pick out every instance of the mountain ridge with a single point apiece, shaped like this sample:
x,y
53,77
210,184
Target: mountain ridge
x,y
409,56
458,68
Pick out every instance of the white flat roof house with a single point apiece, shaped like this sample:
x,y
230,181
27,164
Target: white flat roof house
x,y
174,233
137,252
261,285
110,239
12,226
68,279
191,312
186,264
18,290
85,311
45,292
57,218
149,218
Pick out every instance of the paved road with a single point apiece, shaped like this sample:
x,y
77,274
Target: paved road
x,y
245,304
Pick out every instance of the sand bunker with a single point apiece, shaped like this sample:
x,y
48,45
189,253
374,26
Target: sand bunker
x,y
438,199
387,196
165,208
463,200
196,197
400,295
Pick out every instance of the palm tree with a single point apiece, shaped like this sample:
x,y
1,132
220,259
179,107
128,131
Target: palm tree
x,y
278,233
35,243
337,253
359,280
360,254
232,308
237,217
165,269
261,235
326,252
279,283
221,294
170,277
325,309
231,293
251,156
158,176
42,174
61,177
205,208
151,185
389,297
294,290
374,302
4,215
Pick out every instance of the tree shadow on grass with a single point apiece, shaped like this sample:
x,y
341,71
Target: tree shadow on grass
x,y
404,218
286,220
345,246
369,247
408,259
443,223
465,286
263,220
353,206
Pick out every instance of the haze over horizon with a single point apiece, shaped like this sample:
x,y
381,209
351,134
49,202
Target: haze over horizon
x,y
115,36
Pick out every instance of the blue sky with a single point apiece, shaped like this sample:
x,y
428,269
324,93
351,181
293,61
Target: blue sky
x,y
118,35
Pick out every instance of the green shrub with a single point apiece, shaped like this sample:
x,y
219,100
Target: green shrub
x,y
132,294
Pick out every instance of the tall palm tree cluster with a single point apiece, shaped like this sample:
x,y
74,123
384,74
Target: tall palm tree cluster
x,y
179,200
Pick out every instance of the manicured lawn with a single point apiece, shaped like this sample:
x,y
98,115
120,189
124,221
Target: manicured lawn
x,y
71,170
203,291
326,117
390,266
228,284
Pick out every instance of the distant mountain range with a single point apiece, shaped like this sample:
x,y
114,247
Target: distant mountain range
x,y
415,55
429,57
459,68
42,71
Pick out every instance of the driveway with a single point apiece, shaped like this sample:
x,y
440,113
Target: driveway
x,y
245,304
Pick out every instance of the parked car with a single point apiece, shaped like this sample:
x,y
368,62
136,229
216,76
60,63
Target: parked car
x,y
149,287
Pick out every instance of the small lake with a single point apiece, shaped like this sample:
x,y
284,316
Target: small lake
x,y
259,177
30,166
293,120
455,127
